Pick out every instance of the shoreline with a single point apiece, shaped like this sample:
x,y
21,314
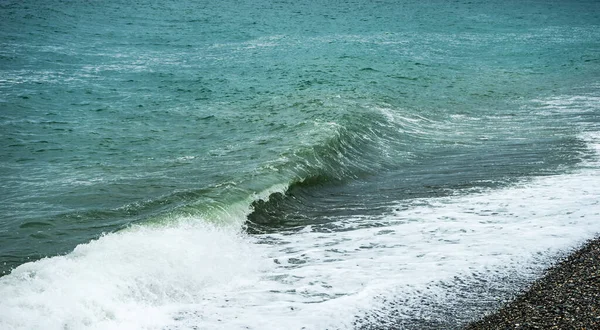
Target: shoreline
x,y
566,297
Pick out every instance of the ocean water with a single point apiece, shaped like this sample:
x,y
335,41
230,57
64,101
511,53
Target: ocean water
x,y
301,164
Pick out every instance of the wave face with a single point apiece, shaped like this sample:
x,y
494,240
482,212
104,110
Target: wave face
x,y
253,164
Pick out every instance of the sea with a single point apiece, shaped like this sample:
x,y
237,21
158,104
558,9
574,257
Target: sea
x,y
291,164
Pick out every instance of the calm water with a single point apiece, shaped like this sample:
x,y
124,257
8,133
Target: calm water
x,y
319,164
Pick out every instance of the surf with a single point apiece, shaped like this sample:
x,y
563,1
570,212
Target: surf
x,y
347,272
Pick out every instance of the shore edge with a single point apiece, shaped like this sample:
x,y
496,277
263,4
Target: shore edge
x,y
566,297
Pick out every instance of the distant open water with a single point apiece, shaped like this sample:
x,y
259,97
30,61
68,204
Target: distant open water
x,y
299,164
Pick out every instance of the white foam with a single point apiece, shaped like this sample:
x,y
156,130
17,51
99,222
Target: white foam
x,y
128,280
192,274
409,250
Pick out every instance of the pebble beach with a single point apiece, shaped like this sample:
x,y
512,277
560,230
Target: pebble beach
x,y
566,297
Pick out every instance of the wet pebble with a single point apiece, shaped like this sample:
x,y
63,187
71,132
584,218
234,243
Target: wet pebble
x,y
567,297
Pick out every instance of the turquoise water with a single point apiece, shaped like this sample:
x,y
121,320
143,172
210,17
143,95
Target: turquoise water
x,y
269,120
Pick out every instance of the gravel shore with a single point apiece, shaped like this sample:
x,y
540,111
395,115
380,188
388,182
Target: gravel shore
x,y
567,297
